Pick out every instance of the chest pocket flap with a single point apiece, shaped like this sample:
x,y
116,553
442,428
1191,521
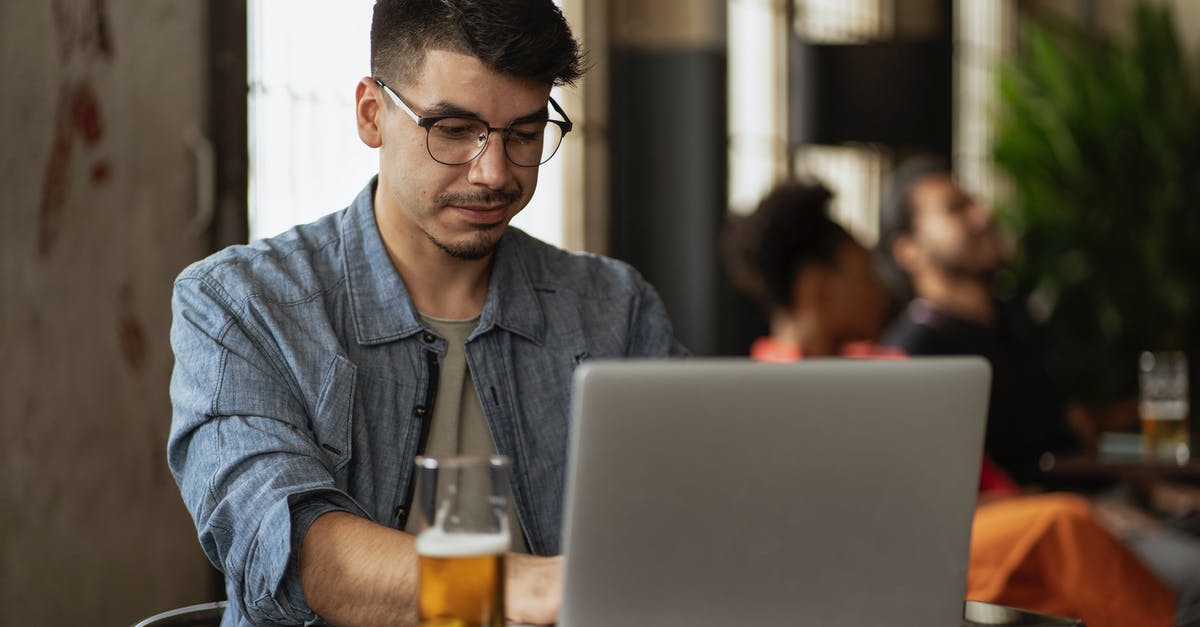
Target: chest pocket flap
x,y
335,409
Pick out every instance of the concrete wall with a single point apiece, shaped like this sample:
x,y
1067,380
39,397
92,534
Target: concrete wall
x,y
668,156
96,192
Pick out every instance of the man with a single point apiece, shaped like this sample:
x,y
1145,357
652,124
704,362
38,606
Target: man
x,y
313,367
945,243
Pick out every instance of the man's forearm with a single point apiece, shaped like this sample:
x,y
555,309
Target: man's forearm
x,y
356,572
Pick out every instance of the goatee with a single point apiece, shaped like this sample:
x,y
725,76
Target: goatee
x,y
483,243
474,250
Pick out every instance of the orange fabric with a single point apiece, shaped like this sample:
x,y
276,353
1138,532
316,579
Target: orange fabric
x,y
1048,554
770,349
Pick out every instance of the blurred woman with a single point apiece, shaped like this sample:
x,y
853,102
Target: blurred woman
x,y
822,296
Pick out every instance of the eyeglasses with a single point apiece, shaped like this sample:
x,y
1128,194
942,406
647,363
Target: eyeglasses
x,y
456,139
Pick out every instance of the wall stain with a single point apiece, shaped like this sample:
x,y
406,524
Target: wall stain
x,y
131,333
101,170
78,113
54,183
85,115
98,35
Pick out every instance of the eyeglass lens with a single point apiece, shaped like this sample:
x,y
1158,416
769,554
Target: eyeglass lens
x,y
455,141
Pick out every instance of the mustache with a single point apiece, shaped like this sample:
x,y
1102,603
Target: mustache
x,y
505,197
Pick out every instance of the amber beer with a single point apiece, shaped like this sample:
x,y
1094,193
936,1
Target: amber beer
x,y
1165,430
461,578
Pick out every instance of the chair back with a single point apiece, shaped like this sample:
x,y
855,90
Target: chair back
x,y
201,615
978,613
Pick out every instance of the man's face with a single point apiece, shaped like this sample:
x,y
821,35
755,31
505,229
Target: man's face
x,y
461,209
952,232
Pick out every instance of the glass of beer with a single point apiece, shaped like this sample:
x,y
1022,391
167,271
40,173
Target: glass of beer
x,y
462,508
1163,405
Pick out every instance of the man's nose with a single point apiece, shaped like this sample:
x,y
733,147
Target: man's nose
x,y
492,167
980,215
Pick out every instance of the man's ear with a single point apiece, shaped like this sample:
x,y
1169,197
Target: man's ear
x,y
906,253
366,110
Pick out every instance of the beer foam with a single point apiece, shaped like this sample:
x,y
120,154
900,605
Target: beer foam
x,y
438,543
1164,410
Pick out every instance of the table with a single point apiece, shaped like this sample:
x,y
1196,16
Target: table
x,y
1119,458
1118,467
981,614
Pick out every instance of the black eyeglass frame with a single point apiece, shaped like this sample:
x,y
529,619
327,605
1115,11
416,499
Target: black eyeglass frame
x,y
427,123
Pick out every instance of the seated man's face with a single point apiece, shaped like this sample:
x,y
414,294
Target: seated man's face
x,y
463,209
953,232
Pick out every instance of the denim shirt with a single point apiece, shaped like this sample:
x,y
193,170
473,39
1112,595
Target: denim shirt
x,y
303,378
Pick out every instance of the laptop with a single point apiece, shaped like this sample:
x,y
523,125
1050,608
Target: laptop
x,y
718,492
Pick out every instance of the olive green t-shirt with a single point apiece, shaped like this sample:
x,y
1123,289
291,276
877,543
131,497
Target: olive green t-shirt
x,y
458,426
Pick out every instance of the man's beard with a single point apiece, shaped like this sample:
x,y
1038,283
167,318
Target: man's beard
x,y
956,266
482,244
477,248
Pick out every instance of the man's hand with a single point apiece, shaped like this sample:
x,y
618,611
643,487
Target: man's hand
x,y
533,588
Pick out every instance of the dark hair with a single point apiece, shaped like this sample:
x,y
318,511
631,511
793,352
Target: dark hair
x,y
523,38
789,230
896,217
896,209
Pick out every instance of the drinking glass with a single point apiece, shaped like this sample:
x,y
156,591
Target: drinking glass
x,y
462,508
1163,405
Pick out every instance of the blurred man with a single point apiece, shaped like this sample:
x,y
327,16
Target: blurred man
x,y
945,243
311,368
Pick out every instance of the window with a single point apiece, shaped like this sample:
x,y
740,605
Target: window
x,y
984,33
757,88
758,152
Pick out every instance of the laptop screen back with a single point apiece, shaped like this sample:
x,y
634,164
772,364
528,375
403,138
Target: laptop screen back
x,y
729,492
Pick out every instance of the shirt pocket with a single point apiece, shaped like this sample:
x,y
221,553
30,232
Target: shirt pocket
x,y
335,407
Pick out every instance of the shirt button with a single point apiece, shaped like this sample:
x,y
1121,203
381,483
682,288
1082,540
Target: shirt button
x,y
428,337
420,411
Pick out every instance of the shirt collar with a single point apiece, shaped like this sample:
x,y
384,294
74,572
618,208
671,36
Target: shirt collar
x,y
512,301
926,313
381,307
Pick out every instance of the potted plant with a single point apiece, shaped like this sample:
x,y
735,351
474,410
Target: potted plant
x,y
1101,141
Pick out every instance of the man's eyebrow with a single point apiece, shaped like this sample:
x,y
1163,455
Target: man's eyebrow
x,y
442,108
449,108
536,116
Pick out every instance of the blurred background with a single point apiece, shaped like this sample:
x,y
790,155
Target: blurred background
x,y
137,136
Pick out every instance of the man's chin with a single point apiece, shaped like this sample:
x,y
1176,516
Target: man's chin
x,y
471,248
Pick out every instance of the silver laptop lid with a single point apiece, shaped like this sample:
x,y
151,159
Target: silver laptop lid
x,y
730,492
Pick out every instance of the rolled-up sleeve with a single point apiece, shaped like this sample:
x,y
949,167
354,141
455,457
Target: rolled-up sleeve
x,y
242,451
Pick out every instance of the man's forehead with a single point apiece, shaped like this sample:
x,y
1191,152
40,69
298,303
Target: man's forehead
x,y
934,188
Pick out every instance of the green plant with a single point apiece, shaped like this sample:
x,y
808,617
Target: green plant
x,y
1101,140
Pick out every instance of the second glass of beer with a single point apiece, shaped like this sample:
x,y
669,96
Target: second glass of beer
x,y
462,505
1163,386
